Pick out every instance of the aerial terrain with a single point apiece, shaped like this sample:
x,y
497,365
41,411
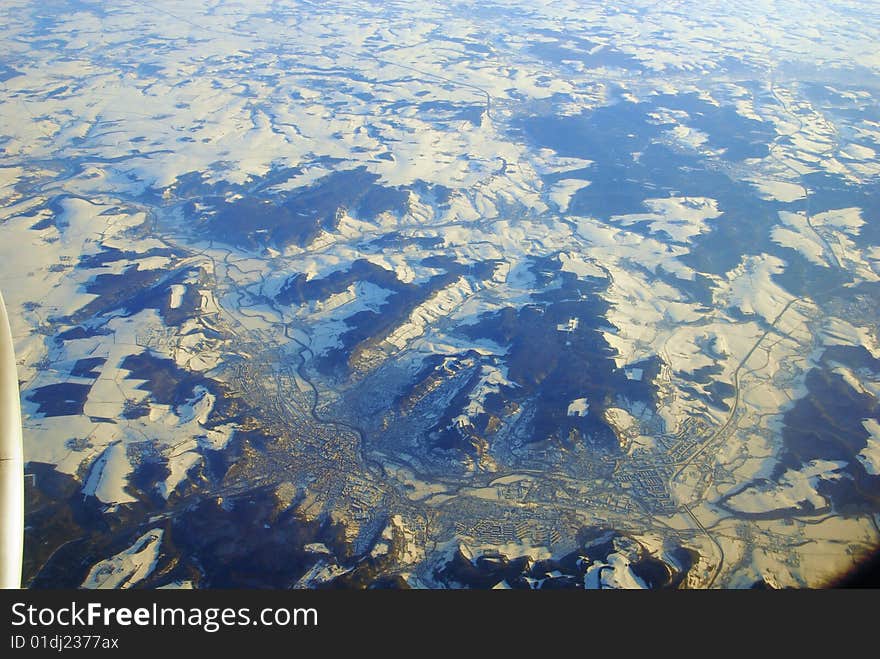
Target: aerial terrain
x,y
444,294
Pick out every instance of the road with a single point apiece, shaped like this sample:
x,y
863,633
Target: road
x,y
831,256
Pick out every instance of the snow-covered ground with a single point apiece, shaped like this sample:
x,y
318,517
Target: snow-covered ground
x,y
100,155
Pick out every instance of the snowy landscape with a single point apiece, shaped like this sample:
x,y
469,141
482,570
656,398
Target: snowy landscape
x,y
432,295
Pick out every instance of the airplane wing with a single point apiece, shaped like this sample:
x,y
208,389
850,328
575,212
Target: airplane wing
x,y
11,462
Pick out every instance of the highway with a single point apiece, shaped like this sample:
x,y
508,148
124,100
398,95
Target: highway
x,y
722,430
